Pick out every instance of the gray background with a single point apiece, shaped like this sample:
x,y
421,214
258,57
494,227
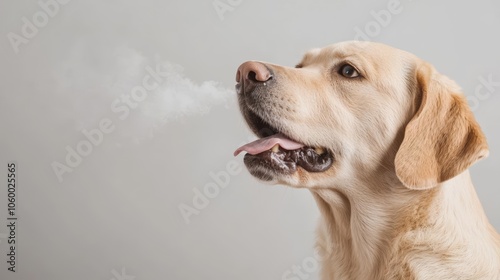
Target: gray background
x,y
118,210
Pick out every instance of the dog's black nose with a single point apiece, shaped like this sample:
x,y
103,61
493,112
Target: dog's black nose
x,y
251,74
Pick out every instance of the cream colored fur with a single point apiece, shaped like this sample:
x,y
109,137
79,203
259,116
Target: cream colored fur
x,y
398,203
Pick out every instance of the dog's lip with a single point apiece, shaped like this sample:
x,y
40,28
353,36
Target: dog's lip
x,y
287,161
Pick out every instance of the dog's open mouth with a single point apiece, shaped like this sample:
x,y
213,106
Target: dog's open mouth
x,y
280,153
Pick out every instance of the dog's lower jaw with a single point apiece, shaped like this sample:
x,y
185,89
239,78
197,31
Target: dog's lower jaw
x,y
375,235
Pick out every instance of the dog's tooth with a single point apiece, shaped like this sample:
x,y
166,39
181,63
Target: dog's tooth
x,y
319,150
275,148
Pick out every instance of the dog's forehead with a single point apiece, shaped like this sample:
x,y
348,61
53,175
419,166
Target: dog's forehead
x,y
368,51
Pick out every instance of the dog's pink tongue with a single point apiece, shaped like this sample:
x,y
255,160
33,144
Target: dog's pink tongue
x,y
264,144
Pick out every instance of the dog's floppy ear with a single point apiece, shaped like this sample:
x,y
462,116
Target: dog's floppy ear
x,y
443,138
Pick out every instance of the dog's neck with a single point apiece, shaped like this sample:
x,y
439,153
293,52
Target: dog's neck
x,y
360,223
355,229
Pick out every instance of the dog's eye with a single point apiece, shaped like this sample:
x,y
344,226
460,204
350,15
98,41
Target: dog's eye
x,y
348,71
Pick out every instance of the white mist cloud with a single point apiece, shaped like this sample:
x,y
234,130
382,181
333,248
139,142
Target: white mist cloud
x,y
104,87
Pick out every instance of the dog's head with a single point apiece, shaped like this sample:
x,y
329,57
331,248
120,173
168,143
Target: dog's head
x,y
352,110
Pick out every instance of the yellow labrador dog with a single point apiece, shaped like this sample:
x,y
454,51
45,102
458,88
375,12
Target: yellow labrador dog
x,y
384,143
